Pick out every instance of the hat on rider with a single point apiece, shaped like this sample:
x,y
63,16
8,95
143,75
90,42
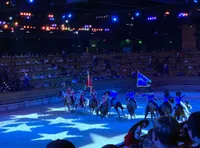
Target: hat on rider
x,y
178,93
166,91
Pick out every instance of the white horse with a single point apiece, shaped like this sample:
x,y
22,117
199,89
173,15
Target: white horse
x,y
66,100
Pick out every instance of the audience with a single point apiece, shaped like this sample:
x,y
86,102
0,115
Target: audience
x,y
134,135
166,132
49,68
110,146
193,127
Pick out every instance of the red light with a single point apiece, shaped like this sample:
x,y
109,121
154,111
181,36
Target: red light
x,y
5,26
167,13
43,28
16,23
27,26
24,26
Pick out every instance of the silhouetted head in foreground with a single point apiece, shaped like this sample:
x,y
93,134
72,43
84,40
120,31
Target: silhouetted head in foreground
x,y
60,144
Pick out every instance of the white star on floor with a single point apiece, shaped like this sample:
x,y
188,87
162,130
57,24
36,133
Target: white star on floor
x,y
84,127
61,135
21,127
58,109
99,141
61,120
30,116
9,122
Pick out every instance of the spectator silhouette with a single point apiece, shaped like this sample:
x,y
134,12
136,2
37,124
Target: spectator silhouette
x,y
134,135
193,127
166,132
60,144
110,146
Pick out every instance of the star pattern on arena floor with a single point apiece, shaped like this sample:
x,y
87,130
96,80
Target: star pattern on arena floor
x,y
21,127
59,120
99,141
84,127
29,116
61,135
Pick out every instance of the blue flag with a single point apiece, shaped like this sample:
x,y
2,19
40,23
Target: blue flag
x,y
142,80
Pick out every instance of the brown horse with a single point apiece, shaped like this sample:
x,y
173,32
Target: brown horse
x,y
179,111
166,107
131,106
151,108
117,104
93,103
103,109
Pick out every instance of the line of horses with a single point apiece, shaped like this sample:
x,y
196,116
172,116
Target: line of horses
x,y
102,110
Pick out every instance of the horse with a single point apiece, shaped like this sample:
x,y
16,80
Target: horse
x,y
117,104
179,111
93,103
103,109
66,100
131,106
166,107
151,107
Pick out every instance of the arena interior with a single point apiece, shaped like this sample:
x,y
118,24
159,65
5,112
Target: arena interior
x,y
67,67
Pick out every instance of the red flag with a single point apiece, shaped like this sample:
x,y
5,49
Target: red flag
x,y
89,80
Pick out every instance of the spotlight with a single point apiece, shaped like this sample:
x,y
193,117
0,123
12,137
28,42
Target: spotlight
x,y
69,15
114,18
30,1
7,3
137,14
196,1
16,23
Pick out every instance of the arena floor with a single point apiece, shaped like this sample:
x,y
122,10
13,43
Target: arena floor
x,y
36,126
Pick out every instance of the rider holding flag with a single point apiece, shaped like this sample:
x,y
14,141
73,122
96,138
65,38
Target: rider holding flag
x,y
93,94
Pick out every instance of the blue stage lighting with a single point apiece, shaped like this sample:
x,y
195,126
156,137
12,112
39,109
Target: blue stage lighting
x,y
63,16
114,18
69,15
30,1
137,14
196,1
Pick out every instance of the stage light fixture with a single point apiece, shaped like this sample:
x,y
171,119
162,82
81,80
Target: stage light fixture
x,y
30,1
137,14
69,15
114,18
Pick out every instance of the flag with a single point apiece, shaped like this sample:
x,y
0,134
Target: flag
x,y
142,80
89,80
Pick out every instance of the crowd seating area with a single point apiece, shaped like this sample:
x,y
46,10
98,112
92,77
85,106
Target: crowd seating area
x,y
58,69
166,133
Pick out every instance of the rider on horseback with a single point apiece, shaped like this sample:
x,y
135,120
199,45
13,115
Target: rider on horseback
x,y
180,103
130,96
151,98
113,95
94,95
106,99
166,99
72,96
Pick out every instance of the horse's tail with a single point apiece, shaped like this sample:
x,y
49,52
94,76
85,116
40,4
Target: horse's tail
x,y
120,105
